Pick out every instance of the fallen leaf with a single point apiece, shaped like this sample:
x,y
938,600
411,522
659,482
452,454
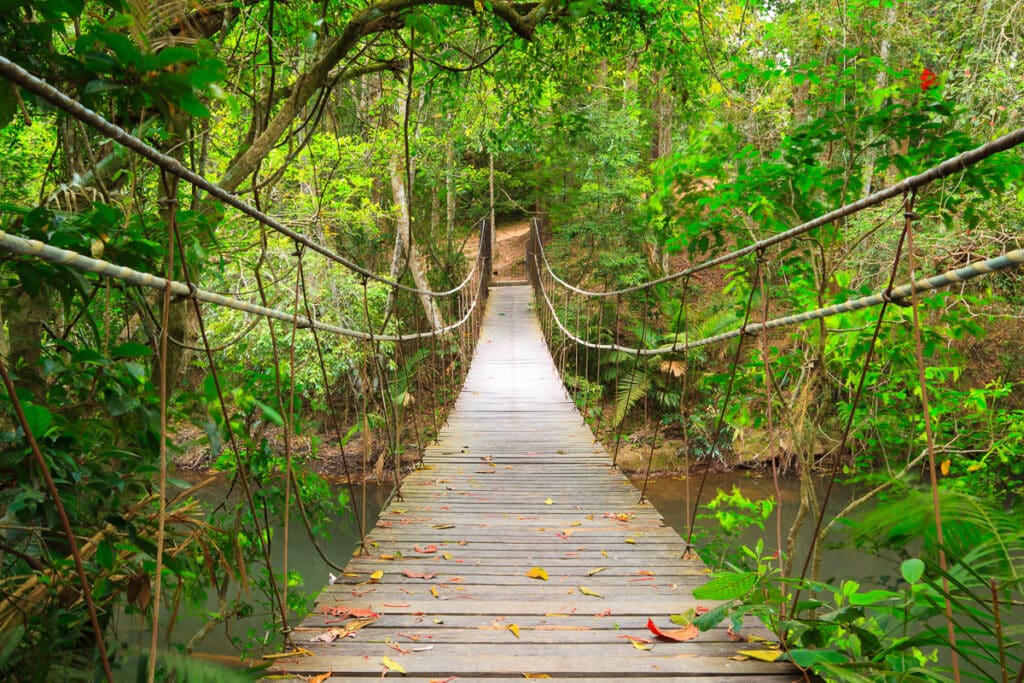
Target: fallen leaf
x,y
604,553
447,556
438,620
638,643
377,575
321,678
630,540
426,551
537,573
396,605
680,635
433,591
514,628
536,676
762,655
587,591
605,613
549,502
419,575
441,526
644,572
596,571
392,665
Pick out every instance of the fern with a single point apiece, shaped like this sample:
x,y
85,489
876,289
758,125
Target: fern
x,y
633,385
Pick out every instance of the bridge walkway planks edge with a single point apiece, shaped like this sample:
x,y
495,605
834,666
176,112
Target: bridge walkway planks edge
x,y
515,482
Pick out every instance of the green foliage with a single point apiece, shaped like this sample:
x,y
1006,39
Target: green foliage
x,y
730,516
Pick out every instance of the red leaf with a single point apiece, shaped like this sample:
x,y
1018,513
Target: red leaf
x,y
419,575
680,635
425,551
928,79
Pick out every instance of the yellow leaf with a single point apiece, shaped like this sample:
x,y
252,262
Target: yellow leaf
x,y
596,571
514,628
587,591
537,573
433,591
536,676
321,678
392,665
377,575
975,467
604,553
944,467
438,620
447,556
479,6
576,524
641,646
549,502
762,655
630,540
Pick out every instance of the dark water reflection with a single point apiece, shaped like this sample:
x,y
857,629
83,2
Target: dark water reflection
x,y
668,495
302,558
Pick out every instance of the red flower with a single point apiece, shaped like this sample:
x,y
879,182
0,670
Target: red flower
x,y
928,79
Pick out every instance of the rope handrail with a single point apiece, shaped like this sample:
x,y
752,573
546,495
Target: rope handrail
x,y
16,74
71,259
1011,259
946,168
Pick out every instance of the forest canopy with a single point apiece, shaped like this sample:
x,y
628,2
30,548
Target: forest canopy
x,y
646,135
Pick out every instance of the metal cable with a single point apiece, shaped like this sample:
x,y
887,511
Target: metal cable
x,y
16,74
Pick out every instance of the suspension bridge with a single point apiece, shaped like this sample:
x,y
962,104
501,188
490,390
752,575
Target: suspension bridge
x,y
515,549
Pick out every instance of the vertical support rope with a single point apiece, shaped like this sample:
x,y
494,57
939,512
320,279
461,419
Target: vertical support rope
x,y
725,404
909,217
241,468
773,451
69,533
170,188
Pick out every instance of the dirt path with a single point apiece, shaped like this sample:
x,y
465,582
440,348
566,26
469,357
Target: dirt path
x,y
510,251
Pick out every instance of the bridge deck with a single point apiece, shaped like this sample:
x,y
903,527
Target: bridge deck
x,y
516,482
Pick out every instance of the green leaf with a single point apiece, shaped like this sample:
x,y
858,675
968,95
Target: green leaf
x,y
131,350
726,586
271,414
8,102
808,658
912,570
871,597
105,554
39,419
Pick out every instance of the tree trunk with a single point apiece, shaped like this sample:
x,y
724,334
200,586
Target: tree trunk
x,y
403,230
449,191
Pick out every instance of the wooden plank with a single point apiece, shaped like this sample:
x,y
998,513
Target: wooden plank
x,y
516,480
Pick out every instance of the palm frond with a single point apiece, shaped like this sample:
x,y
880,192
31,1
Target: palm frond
x,y
633,385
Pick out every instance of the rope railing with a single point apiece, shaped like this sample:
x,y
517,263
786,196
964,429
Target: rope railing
x,y
561,324
898,295
182,290
447,346
17,75
946,168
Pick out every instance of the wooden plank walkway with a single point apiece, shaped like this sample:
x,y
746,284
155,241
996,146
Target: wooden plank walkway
x,y
517,482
